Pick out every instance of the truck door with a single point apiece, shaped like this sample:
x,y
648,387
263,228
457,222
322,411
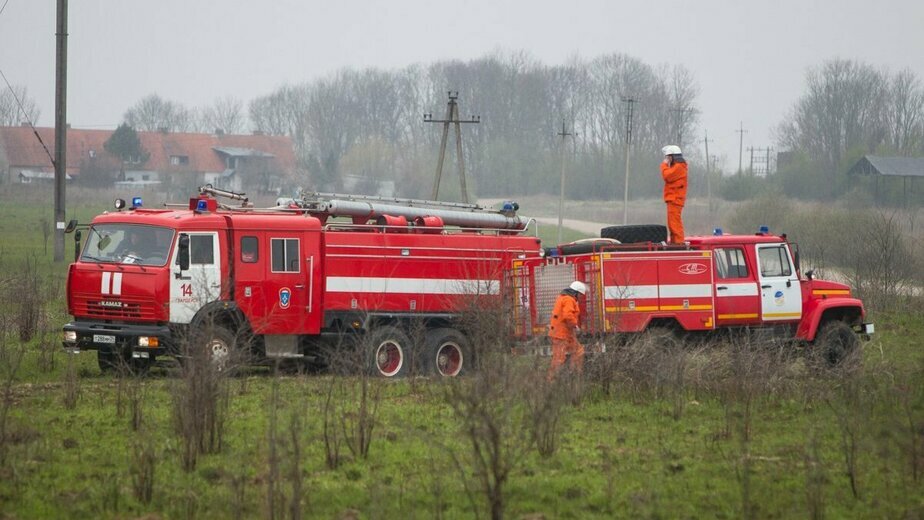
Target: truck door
x,y
290,288
780,293
737,299
201,283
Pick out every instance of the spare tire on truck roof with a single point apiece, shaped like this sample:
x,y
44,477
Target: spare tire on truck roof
x,y
636,233
587,245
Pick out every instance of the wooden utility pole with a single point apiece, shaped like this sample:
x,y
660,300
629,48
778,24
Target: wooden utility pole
x,y
561,196
630,103
60,128
452,116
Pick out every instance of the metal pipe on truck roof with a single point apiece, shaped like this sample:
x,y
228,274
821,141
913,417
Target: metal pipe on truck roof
x,y
465,219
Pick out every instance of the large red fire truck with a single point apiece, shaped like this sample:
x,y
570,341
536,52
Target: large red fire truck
x,y
292,282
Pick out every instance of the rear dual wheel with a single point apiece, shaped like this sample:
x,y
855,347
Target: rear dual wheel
x,y
446,352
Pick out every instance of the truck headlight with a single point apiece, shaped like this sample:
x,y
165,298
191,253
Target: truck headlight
x,y
70,336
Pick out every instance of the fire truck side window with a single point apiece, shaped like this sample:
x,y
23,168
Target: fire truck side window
x,y
250,250
285,255
730,263
201,250
774,262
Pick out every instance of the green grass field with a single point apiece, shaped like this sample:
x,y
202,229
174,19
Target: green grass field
x,y
701,433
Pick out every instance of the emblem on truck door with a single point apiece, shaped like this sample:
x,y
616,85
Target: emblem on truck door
x,y
692,268
285,297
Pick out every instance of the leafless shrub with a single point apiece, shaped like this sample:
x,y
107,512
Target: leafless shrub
x,y
48,347
883,267
275,498
45,226
136,400
545,403
71,383
850,401
27,292
143,463
488,406
11,356
284,461
815,479
330,428
909,391
200,400
353,397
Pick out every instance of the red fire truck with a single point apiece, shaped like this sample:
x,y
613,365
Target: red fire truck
x,y
294,282
712,284
291,280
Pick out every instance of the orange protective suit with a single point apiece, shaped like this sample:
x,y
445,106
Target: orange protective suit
x,y
675,196
564,321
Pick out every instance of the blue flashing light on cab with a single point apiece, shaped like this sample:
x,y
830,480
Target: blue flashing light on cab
x,y
136,202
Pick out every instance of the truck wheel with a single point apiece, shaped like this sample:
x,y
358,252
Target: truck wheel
x,y
447,353
220,345
633,234
835,342
389,352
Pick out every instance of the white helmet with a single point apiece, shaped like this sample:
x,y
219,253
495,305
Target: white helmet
x,y
671,149
578,287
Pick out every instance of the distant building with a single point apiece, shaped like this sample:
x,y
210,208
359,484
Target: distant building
x,y
176,160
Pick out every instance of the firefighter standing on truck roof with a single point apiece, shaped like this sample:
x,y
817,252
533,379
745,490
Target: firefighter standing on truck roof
x,y
674,172
563,328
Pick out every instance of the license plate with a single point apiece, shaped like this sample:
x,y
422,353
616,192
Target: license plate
x,y
103,338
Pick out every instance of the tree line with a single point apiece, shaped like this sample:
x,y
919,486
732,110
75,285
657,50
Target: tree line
x,y
368,124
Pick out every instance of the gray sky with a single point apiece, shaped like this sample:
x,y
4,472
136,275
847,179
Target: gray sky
x,y
749,57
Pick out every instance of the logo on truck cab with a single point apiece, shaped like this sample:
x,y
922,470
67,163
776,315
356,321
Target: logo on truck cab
x,y
692,268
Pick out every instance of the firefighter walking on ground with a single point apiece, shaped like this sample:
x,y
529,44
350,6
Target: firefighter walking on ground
x,y
563,328
674,172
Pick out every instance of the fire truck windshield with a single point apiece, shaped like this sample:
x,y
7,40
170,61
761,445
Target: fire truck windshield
x,y
128,244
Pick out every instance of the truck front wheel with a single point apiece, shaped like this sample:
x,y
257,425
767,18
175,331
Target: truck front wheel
x,y
835,342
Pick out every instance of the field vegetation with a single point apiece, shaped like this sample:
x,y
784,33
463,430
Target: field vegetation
x,y
742,429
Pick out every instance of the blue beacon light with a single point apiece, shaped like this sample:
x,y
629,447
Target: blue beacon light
x,y
717,231
202,206
136,202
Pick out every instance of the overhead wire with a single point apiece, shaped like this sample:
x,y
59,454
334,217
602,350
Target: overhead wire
x,y
26,115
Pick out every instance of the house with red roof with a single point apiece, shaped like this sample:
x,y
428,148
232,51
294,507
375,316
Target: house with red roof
x,y
265,163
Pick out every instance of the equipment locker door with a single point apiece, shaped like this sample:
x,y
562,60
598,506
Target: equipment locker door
x,y
290,288
201,283
780,293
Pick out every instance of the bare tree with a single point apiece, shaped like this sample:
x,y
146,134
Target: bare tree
x,y
225,114
11,113
153,113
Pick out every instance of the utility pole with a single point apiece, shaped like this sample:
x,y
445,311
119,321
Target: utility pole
x,y
561,197
741,131
630,104
751,167
452,116
60,127
708,172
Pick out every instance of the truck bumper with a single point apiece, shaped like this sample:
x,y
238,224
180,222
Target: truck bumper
x,y
137,341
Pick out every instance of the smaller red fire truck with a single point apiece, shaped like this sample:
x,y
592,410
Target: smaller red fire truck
x,y
710,285
299,283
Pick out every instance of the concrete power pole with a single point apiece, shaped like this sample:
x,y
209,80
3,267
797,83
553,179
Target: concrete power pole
x,y
452,116
60,128
741,131
708,172
630,103
561,197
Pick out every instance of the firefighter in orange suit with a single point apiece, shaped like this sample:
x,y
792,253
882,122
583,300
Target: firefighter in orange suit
x,y
674,172
563,328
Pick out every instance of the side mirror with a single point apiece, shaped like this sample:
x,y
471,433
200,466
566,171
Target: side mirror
x,y
71,226
182,256
795,259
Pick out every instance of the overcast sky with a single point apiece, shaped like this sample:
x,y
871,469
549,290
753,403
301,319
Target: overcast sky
x,y
749,57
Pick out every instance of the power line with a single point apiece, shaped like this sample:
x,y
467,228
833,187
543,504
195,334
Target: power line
x,y
24,114
4,6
